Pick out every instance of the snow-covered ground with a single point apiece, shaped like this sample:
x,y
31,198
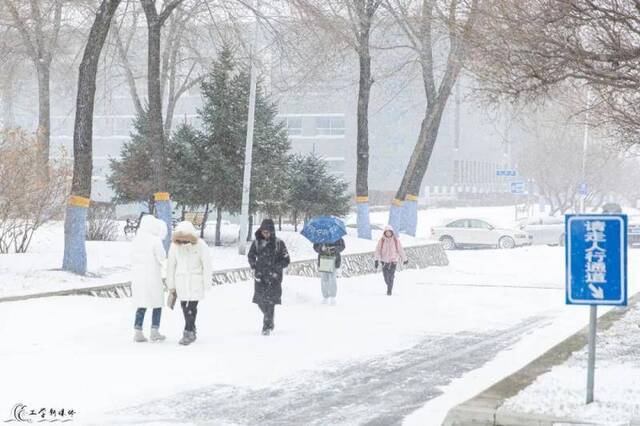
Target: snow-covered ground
x,y
561,392
442,335
446,334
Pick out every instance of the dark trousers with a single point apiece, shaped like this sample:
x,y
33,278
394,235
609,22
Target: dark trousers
x,y
155,318
268,309
389,273
190,311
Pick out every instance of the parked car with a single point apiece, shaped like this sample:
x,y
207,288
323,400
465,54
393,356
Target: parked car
x,y
633,231
478,233
544,230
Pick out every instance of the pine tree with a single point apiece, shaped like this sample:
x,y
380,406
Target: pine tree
x,y
131,175
314,191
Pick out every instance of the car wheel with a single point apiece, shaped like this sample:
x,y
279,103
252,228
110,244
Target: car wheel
x,y
448,243
506,243
561,241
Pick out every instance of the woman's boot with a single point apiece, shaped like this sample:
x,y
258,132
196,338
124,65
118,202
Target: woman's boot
x,y
138,337
155,335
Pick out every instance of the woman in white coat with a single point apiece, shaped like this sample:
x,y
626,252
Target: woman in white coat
x,y
148,258
188,274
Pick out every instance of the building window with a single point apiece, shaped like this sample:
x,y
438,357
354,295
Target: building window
x,y
294,126
335,165
331,126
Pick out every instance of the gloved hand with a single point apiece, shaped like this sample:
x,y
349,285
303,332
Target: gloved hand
x,y
406,262
375,264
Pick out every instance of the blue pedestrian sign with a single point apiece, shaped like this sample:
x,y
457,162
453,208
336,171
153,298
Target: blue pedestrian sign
x,y
518,187
583,190
596,259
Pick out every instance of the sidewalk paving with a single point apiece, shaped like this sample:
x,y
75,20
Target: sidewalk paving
x,y
535,396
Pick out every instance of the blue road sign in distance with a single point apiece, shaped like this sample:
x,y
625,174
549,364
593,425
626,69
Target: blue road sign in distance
x,y
518,187
583,189
596,259
506,173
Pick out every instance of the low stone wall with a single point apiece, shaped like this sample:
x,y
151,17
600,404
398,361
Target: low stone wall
x,y
352,265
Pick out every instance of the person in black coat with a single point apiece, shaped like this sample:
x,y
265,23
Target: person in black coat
x,y
328,282
268,257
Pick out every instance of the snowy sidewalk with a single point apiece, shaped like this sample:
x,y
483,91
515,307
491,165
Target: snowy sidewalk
x,y
407,349
561,391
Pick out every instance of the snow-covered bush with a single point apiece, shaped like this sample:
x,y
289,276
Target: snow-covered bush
x,y
31,193
101,222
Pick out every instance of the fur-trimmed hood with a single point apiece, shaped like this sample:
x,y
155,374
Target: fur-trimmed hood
x,y
185,231
269,225
149,225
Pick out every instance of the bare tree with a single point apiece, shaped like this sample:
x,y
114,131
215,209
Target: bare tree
x,y
550,139
528,49
431,27
28,198
75,255
9,70
38,24
352,22
155,22
181,59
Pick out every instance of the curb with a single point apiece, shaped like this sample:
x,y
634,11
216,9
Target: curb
x,y
485,408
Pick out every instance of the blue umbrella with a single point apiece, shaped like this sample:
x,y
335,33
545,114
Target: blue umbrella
x,y
324,229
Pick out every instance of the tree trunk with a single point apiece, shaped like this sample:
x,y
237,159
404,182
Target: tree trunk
x,y
75,255
8,114
250,228
362,166
218,241
405,219
44,108
204,220
279,222
156,130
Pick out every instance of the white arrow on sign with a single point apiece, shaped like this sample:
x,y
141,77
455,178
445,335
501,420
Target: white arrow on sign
x,y
596,292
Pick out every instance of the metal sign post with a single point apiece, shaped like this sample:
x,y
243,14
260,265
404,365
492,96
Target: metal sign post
x,y
596,270
518,188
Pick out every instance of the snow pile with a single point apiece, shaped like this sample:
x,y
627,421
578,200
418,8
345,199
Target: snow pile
x,y
562,391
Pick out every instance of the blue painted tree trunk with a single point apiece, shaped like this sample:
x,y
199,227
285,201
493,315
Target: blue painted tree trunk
x,y
75,233
395,215
410,215
164,213
364,226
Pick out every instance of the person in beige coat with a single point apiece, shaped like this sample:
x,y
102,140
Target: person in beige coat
x,y
189,273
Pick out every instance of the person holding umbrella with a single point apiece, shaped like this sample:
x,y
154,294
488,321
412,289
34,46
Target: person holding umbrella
x,y
329,261
326,234
389,252
268,257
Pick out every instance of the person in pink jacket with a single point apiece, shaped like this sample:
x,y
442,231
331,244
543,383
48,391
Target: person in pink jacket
x,y
389,252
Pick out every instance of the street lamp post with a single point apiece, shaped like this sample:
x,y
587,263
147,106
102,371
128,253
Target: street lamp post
x,y
585,145
248,151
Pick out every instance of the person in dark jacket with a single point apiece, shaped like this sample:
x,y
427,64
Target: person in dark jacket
x,y
328,282
268,257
